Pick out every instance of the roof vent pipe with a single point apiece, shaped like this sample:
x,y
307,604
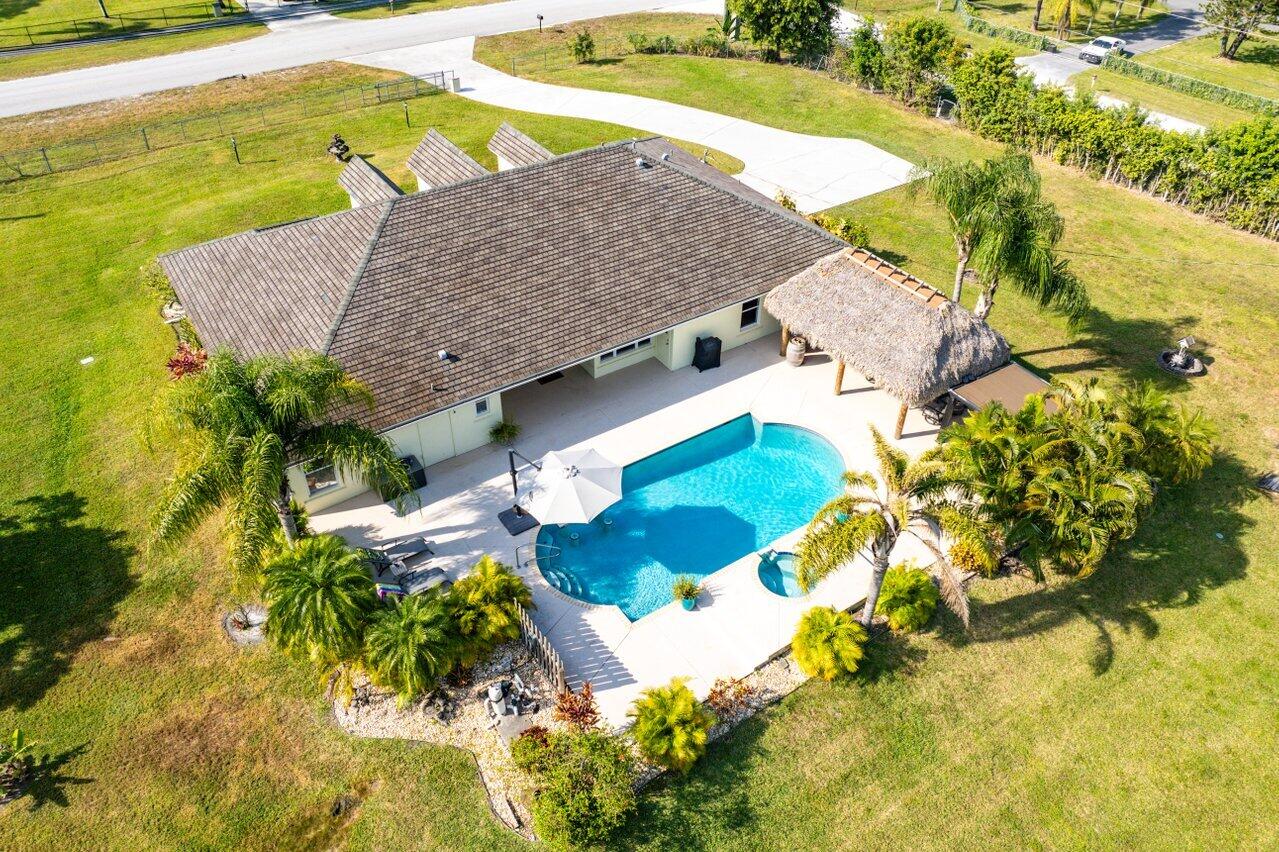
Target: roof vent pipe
x,y
640,163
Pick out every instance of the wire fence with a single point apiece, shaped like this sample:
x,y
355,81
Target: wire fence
x,y
84,29
78,154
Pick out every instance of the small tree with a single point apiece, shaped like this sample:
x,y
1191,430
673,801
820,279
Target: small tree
x,y
584,789
918,54
865,59
1239,19
319,597
410,645
802,27
15,764
1067,12
583,47
908,597
828,643
483,606
671,725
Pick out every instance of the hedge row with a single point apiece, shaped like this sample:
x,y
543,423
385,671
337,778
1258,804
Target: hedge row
x,y
1015,36
1190,85
1229,173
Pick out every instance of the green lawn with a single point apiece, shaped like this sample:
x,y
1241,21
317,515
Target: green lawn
x,y
1019,15
162,735
1122,711
1256,69
1160,98
1133,709
408,7
104,53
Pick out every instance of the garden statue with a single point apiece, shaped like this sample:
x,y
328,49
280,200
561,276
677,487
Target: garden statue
x,y
339,149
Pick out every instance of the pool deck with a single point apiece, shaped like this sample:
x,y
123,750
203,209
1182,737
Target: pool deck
x,y
738,624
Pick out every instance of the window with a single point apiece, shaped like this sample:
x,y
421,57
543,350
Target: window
x,y
627,349
481,407
320,476
750,314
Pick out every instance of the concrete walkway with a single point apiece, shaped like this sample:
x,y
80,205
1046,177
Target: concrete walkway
x,y
817,171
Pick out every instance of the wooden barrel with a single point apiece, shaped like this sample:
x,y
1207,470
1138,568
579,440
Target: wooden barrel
x,y
795,351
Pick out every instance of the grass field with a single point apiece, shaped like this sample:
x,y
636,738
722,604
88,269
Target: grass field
x,y
1151,96
408,7
104,53
1133,709
1255,70
1122,711
162,735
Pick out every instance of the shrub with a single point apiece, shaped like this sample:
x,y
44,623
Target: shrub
x,y
584,789
864,60
685,588
505,432
663,44
639,42
828,643
853,233
530,749
187,360
483,607
918,54
979,25
583,47
671,725
708,44
15,764
1190,85
802,27
907,598
730,695
578,710
785,200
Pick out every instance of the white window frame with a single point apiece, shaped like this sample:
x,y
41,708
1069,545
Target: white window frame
x,y
315,466
627,349
479,415
755,305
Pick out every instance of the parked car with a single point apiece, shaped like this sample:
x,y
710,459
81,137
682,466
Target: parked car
x,y
1096,50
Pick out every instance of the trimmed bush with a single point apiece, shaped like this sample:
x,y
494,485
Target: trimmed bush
x,y
1190,85
671,725
907,598
530,749
583,47
828,643
1009,34
584,789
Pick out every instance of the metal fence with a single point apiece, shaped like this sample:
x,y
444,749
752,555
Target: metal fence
x,y
141,20
548,659
67,156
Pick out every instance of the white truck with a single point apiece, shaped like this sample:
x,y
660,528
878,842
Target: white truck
x,y
1096,50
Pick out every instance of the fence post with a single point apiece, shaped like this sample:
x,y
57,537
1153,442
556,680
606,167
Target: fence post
x,y
44,152
30,37
145,141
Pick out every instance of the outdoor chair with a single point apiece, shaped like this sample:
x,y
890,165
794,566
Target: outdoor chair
x,y
422,580
393,557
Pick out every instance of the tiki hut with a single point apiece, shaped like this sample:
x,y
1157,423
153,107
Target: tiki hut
x,y
906,337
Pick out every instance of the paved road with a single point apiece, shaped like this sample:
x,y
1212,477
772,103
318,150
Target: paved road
x,y
293,42
817,171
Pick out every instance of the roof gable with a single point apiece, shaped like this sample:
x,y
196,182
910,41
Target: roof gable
x,y
515,148
438,162
365,183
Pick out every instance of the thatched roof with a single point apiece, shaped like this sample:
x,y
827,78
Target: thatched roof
x,y
888,325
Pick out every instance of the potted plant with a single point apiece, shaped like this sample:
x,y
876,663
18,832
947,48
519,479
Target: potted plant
x,y
686,590
505,432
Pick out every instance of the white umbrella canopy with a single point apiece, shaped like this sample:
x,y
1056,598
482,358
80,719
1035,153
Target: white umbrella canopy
x,y
574,486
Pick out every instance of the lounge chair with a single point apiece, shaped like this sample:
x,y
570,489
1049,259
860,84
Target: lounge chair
x,y
393,557
422,580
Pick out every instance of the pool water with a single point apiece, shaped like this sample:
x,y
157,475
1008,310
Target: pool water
x,y
692,509
777,573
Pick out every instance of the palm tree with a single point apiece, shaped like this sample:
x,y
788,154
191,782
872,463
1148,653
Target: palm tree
x,y
410,645
1066,12
1003,228
827,643
319,597
239,425
1178,442
483,607
671,725
913,499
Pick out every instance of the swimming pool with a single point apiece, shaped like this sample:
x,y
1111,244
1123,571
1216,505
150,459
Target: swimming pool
x,y
692,509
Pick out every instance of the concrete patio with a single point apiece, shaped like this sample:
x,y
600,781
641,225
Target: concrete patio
x,y
627,415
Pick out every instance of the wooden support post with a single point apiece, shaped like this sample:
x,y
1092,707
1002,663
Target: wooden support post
x,y
949,416
785,340
839,377
901,422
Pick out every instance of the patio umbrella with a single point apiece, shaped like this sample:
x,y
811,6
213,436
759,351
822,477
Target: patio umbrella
x,y
574,486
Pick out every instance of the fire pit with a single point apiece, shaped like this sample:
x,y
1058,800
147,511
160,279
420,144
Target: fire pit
x,y
1181,361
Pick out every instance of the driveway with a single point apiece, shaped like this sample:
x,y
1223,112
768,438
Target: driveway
x,y
292,42
817,171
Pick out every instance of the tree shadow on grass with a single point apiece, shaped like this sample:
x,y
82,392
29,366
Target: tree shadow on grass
x,y
1190,543
62,581
48,782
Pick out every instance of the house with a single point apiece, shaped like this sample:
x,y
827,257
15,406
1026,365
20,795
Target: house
x,y
445,299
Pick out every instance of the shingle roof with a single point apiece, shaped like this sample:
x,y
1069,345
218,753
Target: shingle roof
x,y
516,148
518,273
365,183
438,162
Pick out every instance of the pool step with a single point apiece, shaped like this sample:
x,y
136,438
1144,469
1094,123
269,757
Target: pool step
x,y
563,581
